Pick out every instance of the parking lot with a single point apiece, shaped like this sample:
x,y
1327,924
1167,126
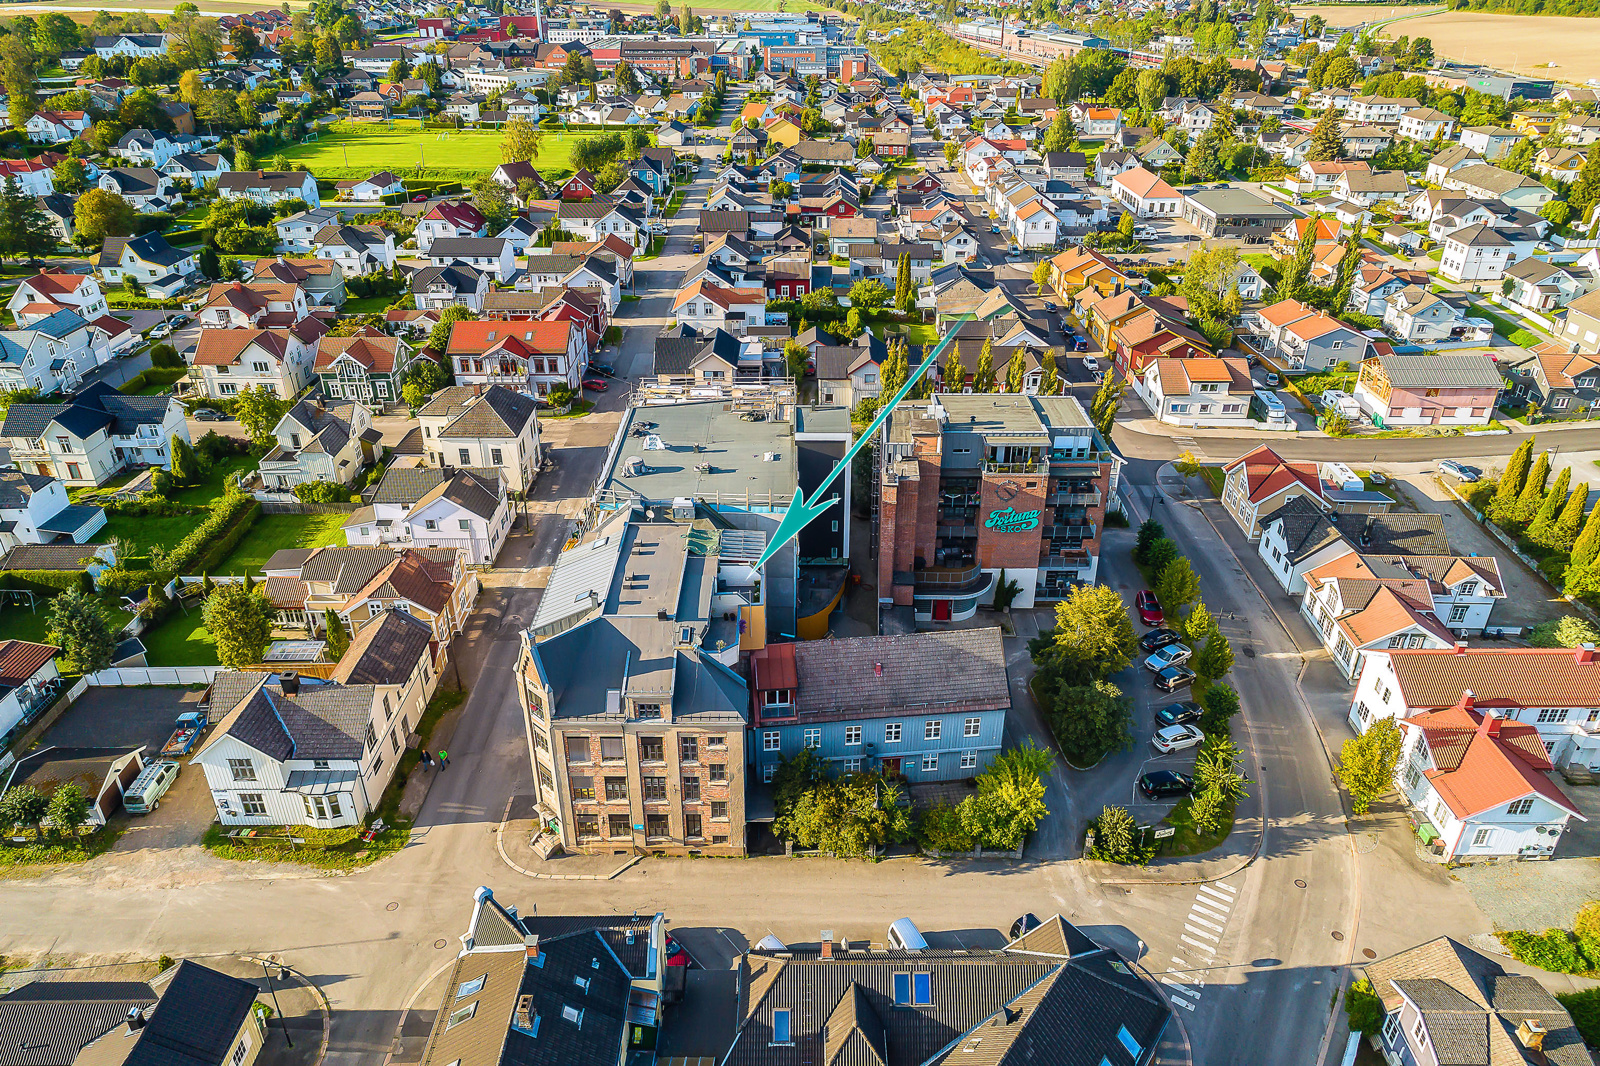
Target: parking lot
x,y
131,718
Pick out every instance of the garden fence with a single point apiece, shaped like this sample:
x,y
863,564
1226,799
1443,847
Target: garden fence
x,y
272,503
153,675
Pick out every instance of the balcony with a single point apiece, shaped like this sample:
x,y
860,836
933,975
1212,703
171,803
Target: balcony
x,y
1081,499
1090,456
1035,466
947,577
1065,532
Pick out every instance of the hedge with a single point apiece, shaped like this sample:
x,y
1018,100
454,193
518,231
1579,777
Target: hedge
x,y
153,376
141,303
48,581
211,542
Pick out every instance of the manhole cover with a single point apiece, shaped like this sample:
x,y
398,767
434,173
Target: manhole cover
x,y
440,943
1366,843
1299,883
392,907
1338,935
1369,953
1249,652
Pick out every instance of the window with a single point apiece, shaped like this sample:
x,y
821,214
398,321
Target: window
x,y
582,787
242,769
969,760
616,789
813,738
1129,1044
655,825
780,1027
472,987
1420,1031
891,733
578,749
586,825
466,456
612,750
617,825
691,825
719,810
930,761
770,740
767,771
902,989
971,727
716,742
852,735
655,789
689,749
322,808
240,1050
1482,837
253,805
494,456
922,989
932,729
461,1015
651,749
691,790
546,782
1521,806
1552,714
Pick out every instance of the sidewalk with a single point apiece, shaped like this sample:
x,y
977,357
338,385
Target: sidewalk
x,y
515,839
305,1013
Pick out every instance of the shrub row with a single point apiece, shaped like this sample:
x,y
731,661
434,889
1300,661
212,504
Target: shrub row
x,y
153,376
1555,950
141,303
47,581
211,542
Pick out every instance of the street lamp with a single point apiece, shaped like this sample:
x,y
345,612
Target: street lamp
x,y
283,977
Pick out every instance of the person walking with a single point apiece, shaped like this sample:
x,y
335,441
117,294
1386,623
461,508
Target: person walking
x,y
444,758
427,760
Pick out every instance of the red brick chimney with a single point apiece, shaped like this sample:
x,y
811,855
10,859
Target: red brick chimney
x,y
827,943
1461,647
1584,653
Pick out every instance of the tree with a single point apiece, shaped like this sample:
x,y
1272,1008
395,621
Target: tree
x,y
1199,626
1532,494
905,296
519,140
78,625
240,620
1177,587
685,21
1093,638
1295,275
1327,142
1221,704
338,637
493,199
1571,519
68,808
185,464
1568,631
439,336
99,214
245,44
1116,835
1543,526
1215,658
23,805
1586,546
1107,399
1016,374
795,358
1150,531
164,356
1041,276
855,322
1050,380
1010,800
1152,88
25,230
869,294
258,410
68,177
1089,721
1585,191
17,74
954,376
950,153
627,80
424,377
1366,763
983,376
190,86
1061,136
1510,484
1125,226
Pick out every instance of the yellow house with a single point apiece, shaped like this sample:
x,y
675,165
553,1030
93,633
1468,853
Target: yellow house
x,y
1077,268
781,131
1533,123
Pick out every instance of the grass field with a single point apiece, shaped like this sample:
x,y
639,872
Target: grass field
x,y
273,532
354,150
78,12
181,640
1551,46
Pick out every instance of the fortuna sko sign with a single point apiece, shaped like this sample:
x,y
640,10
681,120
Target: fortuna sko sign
x,y
1011,520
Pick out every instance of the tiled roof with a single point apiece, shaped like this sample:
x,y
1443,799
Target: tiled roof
x,y
1498,677
46,1023
21,659
468,337
1484,762
225,347
197,1020
385,652
376,354
1266,474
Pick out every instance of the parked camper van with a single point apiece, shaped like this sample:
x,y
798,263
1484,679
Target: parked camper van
x,y
144,795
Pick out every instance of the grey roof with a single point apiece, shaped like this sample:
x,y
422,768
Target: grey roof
x,y
1440,371
957,670
1491,178
321,721
1235,202
46,1023
499,412
467,247
704,433
580,582
197,1020
49,557
459,276
477,493
70,518
1395,534
18,486
409,484
385,652
349,569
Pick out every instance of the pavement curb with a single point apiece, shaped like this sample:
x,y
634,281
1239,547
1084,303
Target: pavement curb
x,y
499,845
405,1012
322,999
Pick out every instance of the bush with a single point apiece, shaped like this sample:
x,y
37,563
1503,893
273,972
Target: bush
x,y
940,829
49,582
1364,1008
1585,1010
154,376
1555,950
321,492
1117,839
1568,631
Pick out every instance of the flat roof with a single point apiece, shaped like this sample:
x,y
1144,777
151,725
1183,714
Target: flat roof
x,y
1239,202
822,418
1011,413
710,432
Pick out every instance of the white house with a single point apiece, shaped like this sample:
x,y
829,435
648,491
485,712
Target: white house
x,y
487,255
50,291
52,354
1301,535
449,219
269,186
432,507
232,360
495,428
1146,195
372,189
1196,392
149,260
52,127
34,509
288,750
1476,253
93,435
30,678
357,249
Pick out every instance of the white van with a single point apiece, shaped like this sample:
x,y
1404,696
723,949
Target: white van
x,y
144,795
905,936
1271,408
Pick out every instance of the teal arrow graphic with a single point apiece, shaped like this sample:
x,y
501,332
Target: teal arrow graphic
x,y
803,512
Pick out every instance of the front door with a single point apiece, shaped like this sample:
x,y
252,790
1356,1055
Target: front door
x,y
891,767
941,610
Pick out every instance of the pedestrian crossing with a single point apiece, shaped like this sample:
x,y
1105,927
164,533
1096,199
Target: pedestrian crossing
x,y
1203,929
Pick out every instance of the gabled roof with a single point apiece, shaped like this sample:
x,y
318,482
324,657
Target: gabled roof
x,y
377,354
225,347
1483,762
197,1020
387,651
1266,474
48,1022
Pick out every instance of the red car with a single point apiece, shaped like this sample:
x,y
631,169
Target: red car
x,y
597,384
676,956
1149,610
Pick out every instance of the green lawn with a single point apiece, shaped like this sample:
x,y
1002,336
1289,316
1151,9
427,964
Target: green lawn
x,y
140,533
923,333
211,488
274,532
367,305
180,641
17,622
355,150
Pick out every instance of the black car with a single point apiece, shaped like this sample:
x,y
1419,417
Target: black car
x,y
206,414
604,368
1157,639
1165,784
1022,926
1178,714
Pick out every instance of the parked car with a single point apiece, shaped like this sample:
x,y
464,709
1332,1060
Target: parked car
x,y
604,368
1091,364
1273,380
1080,344
1183,713
597,384
206,414
1171,655
1149,608
994,228
1049,306
189,728
676,956
1157,639
1375,478
1544,246
144,795
163,329
1176,738
1173,678
1460,471
1024,925
1165,784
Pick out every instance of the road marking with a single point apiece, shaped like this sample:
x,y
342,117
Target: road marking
x,y
1226,901
1196,919
1180,1002
1196,944
1219,884
1210,910
1197,932
1177,987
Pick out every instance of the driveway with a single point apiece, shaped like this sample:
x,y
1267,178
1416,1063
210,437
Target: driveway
x,y
1529,598
131,717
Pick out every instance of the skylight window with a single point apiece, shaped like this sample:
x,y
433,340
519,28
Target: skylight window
x,y
461,1015
1128,1042
472,987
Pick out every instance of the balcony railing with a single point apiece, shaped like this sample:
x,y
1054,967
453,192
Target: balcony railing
x,y
948,576
1059,458
1086,499
1032,467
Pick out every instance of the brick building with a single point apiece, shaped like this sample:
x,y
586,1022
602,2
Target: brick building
x,y
975,484
635,719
